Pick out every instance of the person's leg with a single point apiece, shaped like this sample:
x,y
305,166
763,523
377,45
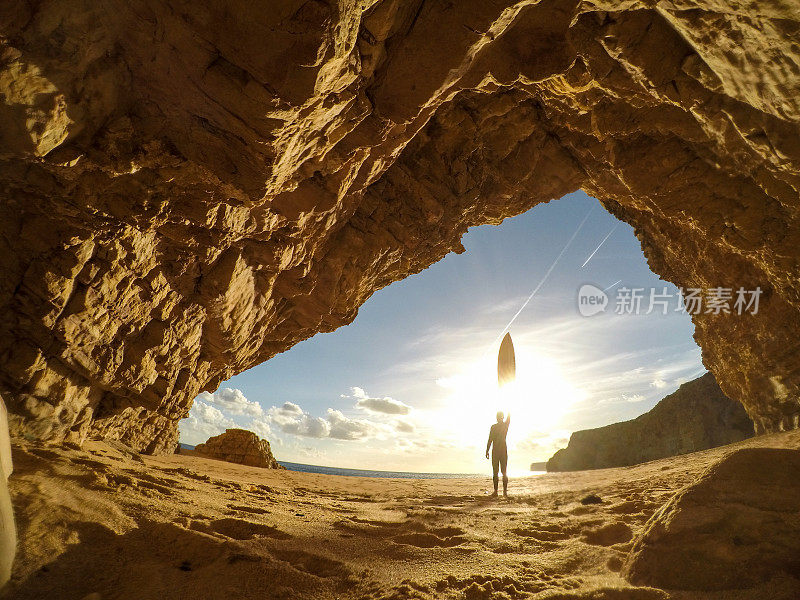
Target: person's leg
x,y
504,467
495,469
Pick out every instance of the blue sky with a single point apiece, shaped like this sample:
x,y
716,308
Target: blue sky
x,y
410,384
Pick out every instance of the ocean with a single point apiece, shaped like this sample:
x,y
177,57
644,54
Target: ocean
x,y
303,468
382,474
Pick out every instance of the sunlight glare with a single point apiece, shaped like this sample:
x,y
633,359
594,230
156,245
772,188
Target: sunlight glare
x,y
537,400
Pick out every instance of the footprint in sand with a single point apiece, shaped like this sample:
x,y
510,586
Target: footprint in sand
x,y
629,507
45,454
545,533
427,540
95,465
238,529
135,479
248,509
159,481
189,474
369,527
424,537
608,535
480,587
312,563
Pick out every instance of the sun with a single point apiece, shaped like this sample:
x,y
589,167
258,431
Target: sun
x,y
541,395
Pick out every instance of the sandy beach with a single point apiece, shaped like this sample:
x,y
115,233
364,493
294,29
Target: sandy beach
x,y
102,523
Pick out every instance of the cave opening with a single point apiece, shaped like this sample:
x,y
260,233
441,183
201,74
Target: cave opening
x,y
407,386
191,189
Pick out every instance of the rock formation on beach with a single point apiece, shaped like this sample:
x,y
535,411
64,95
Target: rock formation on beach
x,y
736,527
697,416
239,446
191,188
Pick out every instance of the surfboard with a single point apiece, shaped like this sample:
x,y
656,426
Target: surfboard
x,y
506,363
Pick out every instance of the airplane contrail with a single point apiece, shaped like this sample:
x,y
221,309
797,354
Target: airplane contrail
x,y
546,275
598,247
612,285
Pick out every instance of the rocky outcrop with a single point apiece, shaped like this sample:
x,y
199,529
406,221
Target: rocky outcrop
x,y
697,416
733,529
239,446
191,188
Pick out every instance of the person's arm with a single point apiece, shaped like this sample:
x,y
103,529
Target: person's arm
x,y
489,443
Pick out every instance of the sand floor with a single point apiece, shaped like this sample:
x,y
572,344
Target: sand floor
x,y
101,524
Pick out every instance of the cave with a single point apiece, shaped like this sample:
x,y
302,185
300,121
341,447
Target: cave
x,y
191,188
176,212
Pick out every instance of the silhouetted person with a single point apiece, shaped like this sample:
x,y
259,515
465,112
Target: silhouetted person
x,y
497,442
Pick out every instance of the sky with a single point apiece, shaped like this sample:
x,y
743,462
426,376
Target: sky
x,y
411,384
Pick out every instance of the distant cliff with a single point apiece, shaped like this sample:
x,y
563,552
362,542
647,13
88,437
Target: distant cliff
x,y
695,417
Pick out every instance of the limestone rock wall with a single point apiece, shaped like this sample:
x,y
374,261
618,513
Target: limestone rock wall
x,y
190,188
239,446
697,416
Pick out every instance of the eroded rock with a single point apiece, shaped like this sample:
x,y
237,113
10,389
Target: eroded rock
x,y
239,446
738,526
191,188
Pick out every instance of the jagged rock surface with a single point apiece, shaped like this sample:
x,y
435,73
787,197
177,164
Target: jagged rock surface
x,y
697,416
191,188
736,527
239,446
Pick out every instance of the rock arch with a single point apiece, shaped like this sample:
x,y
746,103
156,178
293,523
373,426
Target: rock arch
x,y
189,190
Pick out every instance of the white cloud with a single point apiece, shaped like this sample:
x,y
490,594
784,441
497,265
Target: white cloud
x,y
385,405
658,383
357,393
344,428
203,422
403,426
290,408
621,398
290,418
211,414
262,429
232,401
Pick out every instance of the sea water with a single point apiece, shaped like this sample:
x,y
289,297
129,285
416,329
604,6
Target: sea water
x,y
303,468
369,473
393,474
